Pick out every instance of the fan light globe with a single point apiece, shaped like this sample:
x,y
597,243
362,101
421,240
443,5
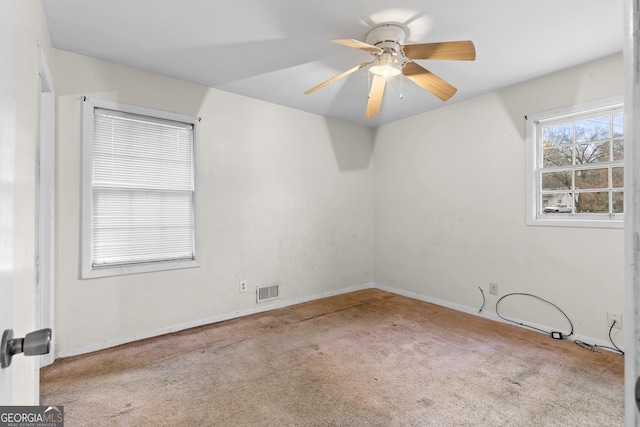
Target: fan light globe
x,y
384,70
385,66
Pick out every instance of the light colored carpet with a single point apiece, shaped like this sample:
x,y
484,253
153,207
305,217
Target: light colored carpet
x,y
368,358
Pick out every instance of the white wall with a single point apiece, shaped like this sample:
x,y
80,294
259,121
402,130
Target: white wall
x,y
291,198
286,198
32,31
449,210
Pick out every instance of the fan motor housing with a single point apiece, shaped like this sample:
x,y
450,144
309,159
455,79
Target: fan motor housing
x,y
391,35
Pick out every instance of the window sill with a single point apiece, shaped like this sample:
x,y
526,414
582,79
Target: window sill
x,y
91,272
571,222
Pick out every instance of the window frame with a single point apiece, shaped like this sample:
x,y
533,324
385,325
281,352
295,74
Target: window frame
x,y
88,121
533,128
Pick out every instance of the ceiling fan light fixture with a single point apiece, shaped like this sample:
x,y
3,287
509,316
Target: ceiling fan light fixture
x,y
386,66
384,70
385,42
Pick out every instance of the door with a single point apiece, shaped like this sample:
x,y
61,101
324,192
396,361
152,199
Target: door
x,y
632,209
8,41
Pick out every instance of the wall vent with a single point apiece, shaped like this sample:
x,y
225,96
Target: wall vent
x,y
266,293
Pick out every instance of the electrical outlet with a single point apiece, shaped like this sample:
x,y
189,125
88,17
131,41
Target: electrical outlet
x,y
243,286
493,288
611,316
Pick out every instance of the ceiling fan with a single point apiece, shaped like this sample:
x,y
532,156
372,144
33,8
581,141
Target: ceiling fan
x,y
391,58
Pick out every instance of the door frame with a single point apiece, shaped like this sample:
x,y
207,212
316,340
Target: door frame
x,y
46,191
8,88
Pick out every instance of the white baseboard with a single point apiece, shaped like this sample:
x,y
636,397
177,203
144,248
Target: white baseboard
x,y
493,316
76,351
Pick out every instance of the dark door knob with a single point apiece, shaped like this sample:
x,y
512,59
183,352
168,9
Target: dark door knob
x,y
33,344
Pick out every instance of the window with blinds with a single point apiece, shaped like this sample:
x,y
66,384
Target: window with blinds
x,y
140,194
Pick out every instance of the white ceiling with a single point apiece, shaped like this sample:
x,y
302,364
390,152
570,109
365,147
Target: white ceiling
x,y
276,49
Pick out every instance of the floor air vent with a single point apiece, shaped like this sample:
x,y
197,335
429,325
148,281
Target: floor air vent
x,y
266,293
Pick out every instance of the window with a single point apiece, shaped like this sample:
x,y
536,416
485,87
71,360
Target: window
x,y
139,189
575,166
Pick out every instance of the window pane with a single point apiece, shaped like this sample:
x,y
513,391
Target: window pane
x,y
558,135
556,180
618,201
595,129
557,203
617,175
557,145
618,149
592,202
593,152
592,178
561,155
618,125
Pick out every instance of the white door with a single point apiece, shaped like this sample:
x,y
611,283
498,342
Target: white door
x,y
632,208
8,41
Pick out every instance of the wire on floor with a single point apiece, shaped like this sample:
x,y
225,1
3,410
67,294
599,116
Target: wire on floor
x,y
595,347
586,346
590,347
529,326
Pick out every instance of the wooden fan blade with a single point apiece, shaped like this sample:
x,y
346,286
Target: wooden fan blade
x,y
375,96
358,45
338,77
429,81
460,51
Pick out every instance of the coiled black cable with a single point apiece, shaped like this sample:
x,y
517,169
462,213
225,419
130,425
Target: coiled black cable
x,y
529,326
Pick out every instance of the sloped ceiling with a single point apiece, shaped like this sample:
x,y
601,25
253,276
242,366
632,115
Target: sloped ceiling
x,y
274,50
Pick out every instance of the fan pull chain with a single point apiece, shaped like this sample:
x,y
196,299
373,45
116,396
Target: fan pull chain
x,y
368,84
401,85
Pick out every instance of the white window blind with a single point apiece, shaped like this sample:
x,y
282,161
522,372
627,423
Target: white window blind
x,y
143,189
